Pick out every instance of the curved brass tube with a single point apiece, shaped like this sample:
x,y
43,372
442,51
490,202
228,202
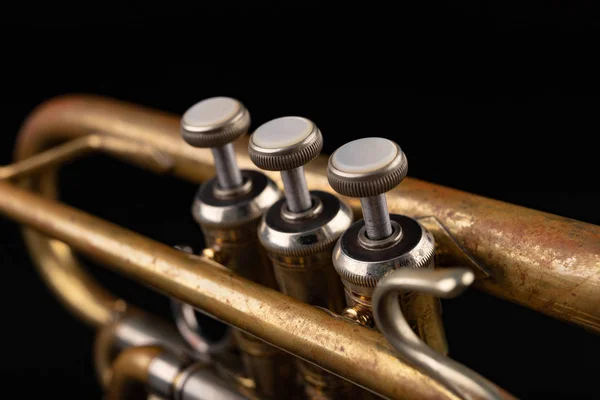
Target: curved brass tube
x,y
54,260
546,262
52,123
104,352
129,373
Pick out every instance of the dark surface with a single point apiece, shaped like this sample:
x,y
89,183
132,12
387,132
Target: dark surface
x,y
259,183
411,237
516,127
331,207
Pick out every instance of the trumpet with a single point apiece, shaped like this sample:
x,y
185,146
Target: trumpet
x,y
328,269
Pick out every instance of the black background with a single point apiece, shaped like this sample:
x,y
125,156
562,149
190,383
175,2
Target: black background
x,y
520,129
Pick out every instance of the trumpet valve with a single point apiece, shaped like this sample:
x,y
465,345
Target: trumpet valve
x,y
300,230
380,243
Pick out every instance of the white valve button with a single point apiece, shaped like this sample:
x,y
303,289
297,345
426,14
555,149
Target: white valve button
x,y
364,155
282,132
211,112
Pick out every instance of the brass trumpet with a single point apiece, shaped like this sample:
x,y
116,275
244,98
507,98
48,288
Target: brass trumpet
x,y
284,335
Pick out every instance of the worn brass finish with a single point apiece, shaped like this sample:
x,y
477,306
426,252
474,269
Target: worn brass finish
x,y
320,385
230,368
239,250
313,280
425,315
334,344
272,370
422,311
545,262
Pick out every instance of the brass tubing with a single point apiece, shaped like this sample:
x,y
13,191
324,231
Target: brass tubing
x,y
61,120
76,289
104,352
137,153
334,344
129,372
545,262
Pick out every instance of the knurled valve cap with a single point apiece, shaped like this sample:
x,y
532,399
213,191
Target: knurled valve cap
x,y
285,143
367,167
214,122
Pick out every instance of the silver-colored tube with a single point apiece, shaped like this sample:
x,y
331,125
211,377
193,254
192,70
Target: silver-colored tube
x,y
228,172
444,283
376,216
138,330
171,377
203,384
163,372
295,190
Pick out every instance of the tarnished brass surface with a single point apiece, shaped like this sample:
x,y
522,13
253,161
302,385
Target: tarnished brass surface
x,y
239,250
320,385
334,344
272,370
448,251
312,279
230,367
422,312
129,373
546,262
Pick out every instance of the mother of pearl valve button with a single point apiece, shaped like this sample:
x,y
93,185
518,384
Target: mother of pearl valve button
x,y
364,155
210,112
282,132
285,143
